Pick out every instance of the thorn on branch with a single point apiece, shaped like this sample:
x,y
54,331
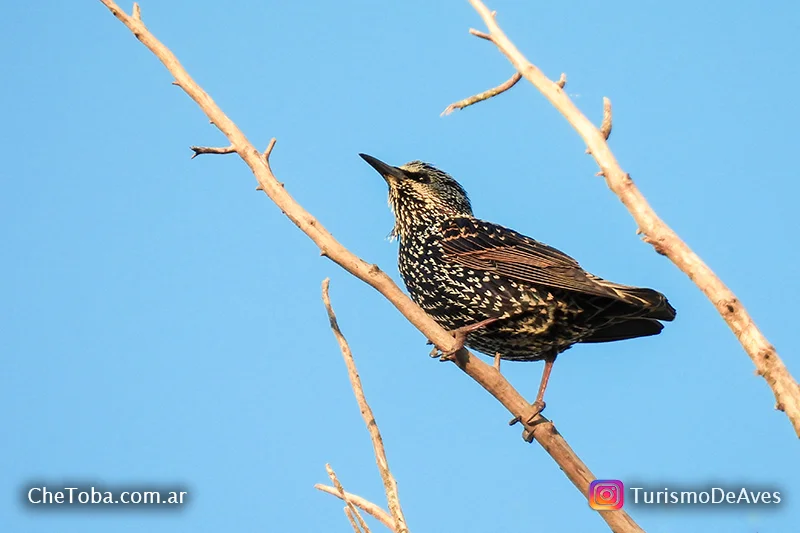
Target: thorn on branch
x,y
137,12
212,150
482,35
485,95
562,81
605,126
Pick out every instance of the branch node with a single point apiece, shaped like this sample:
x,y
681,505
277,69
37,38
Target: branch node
x,y
137,12
562,81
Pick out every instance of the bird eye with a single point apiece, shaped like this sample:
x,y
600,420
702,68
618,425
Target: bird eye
x,y
421,177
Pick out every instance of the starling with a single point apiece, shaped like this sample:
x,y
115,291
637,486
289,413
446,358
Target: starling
x,y
498,291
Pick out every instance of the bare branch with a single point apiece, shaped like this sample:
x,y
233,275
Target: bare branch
x,y
343,496
485,95
199,150
389,483
363,504
657,232
539,429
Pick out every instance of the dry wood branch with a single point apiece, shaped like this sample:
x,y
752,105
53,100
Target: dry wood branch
x,y
485,95
490,379
350,506
657,232
363,504
389,483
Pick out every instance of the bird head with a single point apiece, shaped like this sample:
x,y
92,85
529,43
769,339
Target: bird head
x,y
420,194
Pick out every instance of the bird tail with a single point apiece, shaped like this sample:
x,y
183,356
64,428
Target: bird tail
x,y
653,303
628,329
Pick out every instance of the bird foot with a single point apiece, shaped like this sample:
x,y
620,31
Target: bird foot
x,y
530,414
460,336
450,355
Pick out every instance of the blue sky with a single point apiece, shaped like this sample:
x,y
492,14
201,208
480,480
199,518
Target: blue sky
x,y
161,320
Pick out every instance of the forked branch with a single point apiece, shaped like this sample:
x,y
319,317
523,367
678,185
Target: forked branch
x,y
363,504
656,231
389,483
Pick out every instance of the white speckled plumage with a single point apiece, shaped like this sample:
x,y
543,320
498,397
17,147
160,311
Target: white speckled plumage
x,y
462,270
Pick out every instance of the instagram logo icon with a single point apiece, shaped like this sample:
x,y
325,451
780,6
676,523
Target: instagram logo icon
x,y
606,494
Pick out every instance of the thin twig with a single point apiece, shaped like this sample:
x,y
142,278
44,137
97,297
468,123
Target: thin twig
x,y
199,150
365,505
605,126
343,496
540,428
485,95
352,519
658,233
480,34
268,151
389,483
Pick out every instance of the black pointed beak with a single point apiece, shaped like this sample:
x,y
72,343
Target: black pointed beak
x,y
387,171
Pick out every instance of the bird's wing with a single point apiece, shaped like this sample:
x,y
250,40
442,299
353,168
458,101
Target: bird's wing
x,y
480,245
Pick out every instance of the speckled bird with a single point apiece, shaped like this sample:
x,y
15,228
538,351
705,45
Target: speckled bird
x,y
498,291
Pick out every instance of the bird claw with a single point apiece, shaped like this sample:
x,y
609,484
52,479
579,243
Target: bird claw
x,y
530,414
443,356
460,336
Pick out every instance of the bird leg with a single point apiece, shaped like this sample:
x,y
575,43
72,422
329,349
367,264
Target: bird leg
x,y
539,405
460,335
